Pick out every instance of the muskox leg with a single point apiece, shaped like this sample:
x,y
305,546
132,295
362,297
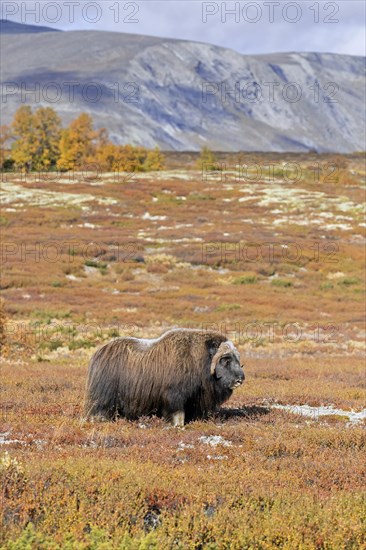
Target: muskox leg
x,y
178,418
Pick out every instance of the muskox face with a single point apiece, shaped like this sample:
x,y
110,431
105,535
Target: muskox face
x,y
226,366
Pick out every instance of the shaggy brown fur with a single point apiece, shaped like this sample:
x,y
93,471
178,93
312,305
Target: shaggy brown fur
x,y
183,375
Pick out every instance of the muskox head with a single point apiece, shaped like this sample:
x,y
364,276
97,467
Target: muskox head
x,y
226,367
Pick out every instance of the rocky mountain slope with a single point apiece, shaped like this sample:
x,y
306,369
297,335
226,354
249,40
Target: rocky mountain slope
x,y
181,95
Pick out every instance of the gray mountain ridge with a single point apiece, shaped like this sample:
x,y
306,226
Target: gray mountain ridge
x,y
12,27
183,95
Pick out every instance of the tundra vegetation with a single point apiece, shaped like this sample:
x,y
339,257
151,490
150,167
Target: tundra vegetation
x,y
276,264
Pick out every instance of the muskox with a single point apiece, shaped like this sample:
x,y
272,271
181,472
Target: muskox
x,y
181,376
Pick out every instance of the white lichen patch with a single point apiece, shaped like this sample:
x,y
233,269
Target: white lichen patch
x,y
182,446
90,270
184,175
178,226
88,225
316,412
214,440
16,194
246,199
289,199
148,216
72,277
338,226
337,275
5,440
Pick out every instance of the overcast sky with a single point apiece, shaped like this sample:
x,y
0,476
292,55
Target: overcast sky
x,y
248,27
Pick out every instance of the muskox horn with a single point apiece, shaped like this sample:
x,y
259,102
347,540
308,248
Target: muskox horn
x,y
224,348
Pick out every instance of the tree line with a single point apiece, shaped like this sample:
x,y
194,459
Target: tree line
x,y
37,141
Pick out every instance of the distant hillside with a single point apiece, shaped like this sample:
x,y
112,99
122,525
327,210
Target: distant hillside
x,y
11,27
159,97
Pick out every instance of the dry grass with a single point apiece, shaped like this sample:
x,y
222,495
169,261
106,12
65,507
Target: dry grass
x,y
280,272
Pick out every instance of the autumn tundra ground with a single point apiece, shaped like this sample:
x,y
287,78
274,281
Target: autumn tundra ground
x,y
271,256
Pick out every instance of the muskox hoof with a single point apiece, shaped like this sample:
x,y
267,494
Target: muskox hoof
x,y
98,418
178,419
